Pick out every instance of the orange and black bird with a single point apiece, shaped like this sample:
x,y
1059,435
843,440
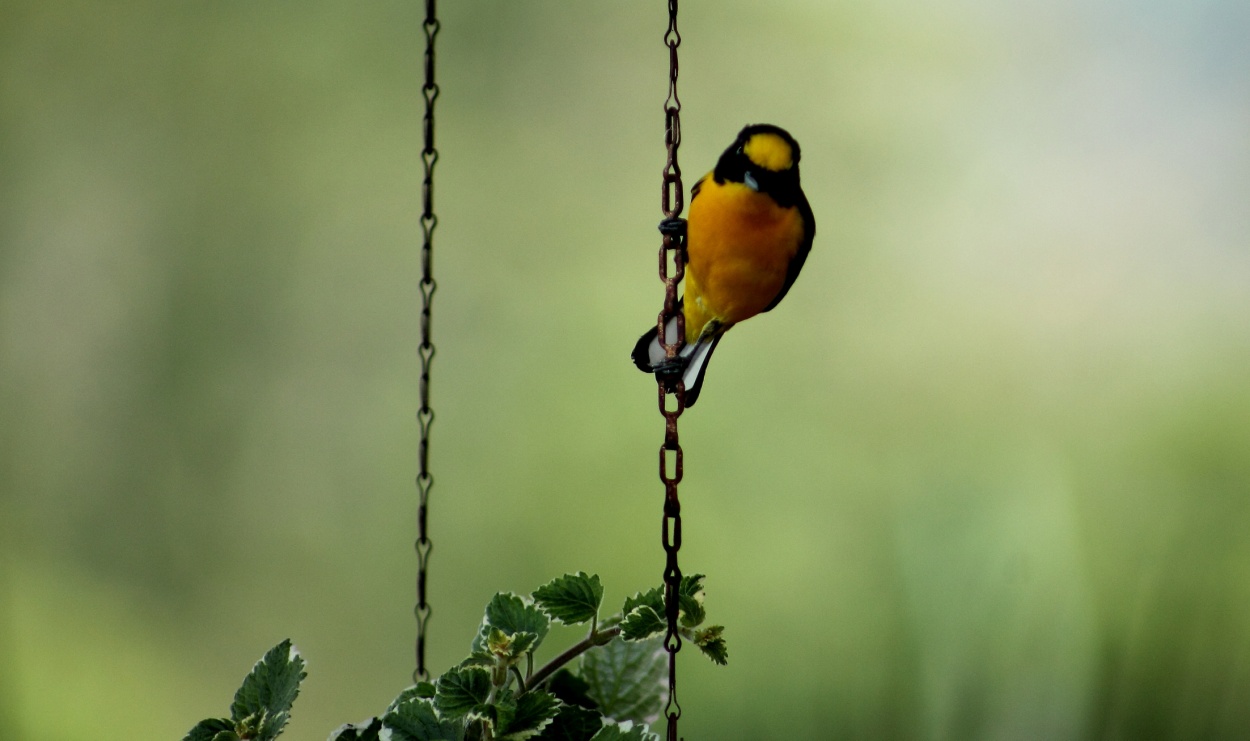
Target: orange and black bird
x,y
747,237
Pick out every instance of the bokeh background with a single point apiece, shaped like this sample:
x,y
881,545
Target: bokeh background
x,y
985,474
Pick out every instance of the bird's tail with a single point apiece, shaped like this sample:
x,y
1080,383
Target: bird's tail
x,y
691,364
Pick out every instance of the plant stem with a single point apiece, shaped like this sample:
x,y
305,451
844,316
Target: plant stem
x,y
592,640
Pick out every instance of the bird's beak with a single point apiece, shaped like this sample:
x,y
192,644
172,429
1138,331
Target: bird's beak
x,y
750,182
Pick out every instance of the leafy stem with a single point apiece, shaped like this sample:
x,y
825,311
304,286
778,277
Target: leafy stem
x,y
488,696
589,642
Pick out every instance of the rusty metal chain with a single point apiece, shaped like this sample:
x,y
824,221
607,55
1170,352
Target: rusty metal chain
x,y
672,248
425,415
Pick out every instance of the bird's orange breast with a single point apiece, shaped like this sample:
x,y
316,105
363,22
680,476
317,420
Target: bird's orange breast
x,y
739,246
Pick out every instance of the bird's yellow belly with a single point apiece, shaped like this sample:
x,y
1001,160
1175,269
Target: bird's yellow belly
x,y
739,248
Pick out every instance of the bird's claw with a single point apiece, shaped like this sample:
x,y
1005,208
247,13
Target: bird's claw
x,y
675,227
668,367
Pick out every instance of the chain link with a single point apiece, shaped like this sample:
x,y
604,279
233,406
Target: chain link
x,y
425,415
672,248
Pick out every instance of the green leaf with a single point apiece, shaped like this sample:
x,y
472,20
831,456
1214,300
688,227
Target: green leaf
x,y
626,731
691,585
415,719
461,690
227,736
498,714
249,727
627,678
419,690
208,729
479,658
572,723
653,598
511,615
572,599
534,710
509,647
644,615
642,623
262,705
690,600
711,642
570,689
367,730
484,713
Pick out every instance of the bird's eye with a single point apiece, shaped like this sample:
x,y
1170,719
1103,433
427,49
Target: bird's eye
x,y
739,150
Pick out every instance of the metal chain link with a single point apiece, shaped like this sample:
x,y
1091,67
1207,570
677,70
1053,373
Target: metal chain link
x,y
673,247
425,415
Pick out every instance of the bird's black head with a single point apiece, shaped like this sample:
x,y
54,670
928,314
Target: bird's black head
x,y
764,158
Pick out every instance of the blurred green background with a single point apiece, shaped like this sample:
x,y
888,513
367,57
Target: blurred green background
x,y
985,474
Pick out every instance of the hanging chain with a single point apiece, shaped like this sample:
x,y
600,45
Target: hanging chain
x,y
425,415
674,248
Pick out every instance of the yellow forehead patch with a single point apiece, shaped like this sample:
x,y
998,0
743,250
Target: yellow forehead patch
x,y
769,151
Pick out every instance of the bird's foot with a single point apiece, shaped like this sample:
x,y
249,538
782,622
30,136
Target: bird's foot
x,y
675,227
668,367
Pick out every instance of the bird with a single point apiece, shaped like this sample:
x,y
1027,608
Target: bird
x,y
749,231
